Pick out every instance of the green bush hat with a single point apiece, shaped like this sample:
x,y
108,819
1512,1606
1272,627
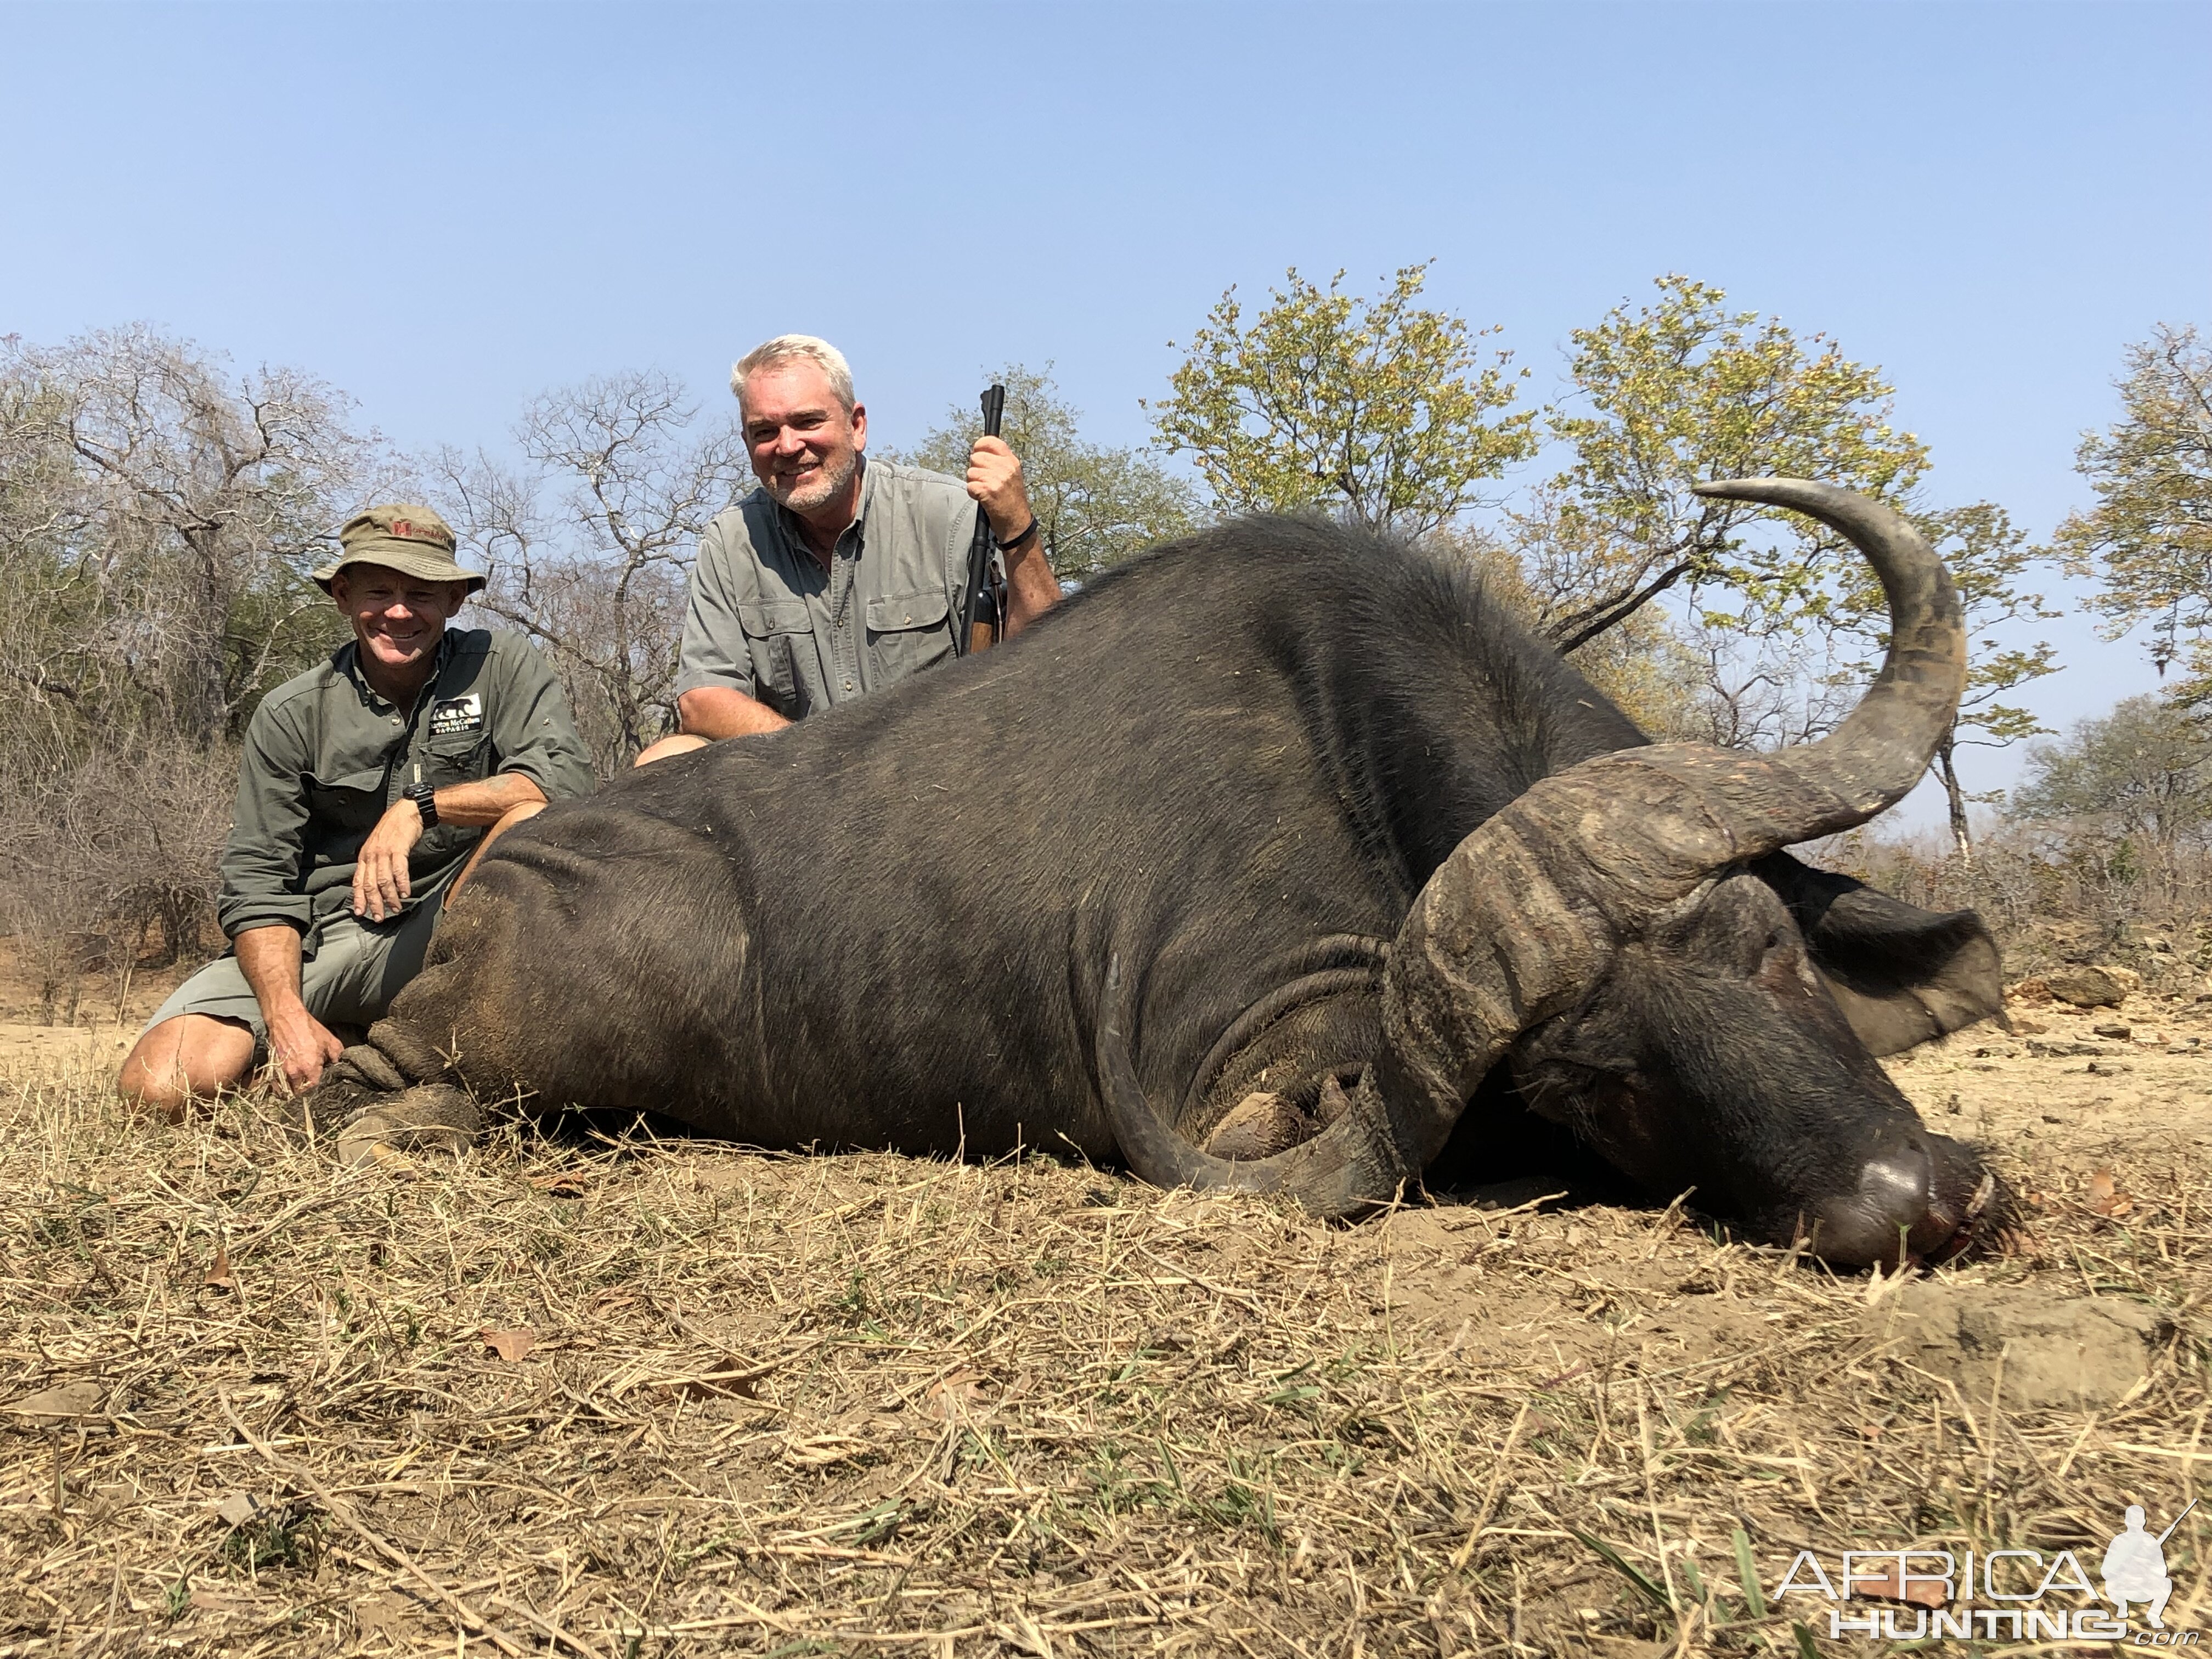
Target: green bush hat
x,y
402,535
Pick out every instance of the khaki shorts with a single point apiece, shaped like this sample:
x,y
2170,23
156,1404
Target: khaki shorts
x,y
355,968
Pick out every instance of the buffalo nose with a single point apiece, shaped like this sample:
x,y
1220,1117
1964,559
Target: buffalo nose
x,y
1872,1223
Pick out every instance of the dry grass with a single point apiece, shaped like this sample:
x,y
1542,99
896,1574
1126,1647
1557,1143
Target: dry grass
x,y
869,1405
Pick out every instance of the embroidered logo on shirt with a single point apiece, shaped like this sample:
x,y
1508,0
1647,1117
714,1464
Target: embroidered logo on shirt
x,y
453,714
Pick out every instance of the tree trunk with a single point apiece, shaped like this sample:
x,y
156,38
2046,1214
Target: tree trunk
x,y
1962,839
203,694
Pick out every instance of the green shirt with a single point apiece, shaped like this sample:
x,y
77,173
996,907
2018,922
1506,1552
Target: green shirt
x,y
767,619
325,757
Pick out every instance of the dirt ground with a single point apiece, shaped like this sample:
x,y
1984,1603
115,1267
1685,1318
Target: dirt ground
x,y
25,1048
618,1399
109,1011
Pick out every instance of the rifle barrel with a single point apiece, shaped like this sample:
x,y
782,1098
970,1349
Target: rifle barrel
x,y
2177,1519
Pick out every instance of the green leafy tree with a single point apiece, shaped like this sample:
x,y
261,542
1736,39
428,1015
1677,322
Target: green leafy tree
x,y
1095,505
1380,410
2149,537
2142,771
1989,561
1684,392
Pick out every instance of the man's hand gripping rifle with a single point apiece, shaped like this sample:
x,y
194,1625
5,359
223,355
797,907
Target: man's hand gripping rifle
x,y
986,615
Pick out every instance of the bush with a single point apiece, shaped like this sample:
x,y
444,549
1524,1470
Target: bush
x,y
107,866
2053,893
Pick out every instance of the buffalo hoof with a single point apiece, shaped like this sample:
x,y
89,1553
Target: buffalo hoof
x,y
430,1118
1261,1125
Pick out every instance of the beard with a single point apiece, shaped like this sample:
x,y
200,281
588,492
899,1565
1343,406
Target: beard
x,y
829,482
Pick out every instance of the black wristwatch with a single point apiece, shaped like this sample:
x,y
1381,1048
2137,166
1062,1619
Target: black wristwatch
x,y
426,803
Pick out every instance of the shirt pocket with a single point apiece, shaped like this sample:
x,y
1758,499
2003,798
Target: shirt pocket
x,y
906,634
462,758
347,804
458,757
772,627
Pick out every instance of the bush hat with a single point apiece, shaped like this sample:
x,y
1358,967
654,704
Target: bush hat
x,y
400,536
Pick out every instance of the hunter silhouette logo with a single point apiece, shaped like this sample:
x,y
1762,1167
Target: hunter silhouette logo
x,y
2017,1595
2135,1568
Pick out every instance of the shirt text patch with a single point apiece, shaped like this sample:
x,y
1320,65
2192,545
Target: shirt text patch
x,y
454,714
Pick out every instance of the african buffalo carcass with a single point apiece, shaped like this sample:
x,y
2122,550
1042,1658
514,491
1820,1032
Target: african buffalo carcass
x,y
1279,810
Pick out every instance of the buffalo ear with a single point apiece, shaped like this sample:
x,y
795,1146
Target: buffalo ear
x,y
1902,976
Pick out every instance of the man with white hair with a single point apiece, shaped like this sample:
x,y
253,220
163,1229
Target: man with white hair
x,y
840,575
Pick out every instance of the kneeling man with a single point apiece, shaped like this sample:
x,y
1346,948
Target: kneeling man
x,y
839,575
367,787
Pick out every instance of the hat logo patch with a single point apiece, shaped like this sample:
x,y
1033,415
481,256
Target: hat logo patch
x,y
401,527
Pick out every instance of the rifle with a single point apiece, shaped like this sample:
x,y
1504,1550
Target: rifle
x,y
981,593
2177,1519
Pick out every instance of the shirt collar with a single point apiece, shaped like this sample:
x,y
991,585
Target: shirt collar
x,y
349,661
794,532
867,492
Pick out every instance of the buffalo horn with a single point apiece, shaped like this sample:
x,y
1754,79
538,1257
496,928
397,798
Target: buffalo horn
x,y
1524,916
1350,1166
1869,761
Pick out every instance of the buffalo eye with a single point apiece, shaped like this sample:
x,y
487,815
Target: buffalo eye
x,y
1758,949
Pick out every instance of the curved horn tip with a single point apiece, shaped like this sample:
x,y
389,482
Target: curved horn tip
x,y
1853,512
1774,490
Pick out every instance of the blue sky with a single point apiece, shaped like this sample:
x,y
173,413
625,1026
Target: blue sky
x,y
445,210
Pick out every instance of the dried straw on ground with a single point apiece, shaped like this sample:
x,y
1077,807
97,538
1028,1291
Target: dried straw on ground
x,y
618,1400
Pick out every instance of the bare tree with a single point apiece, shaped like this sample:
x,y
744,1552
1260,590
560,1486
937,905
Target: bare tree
x,y
113,860
589,544
1765,693
159,516
160,519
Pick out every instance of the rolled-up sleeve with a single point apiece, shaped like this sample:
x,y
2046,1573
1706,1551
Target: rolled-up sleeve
x,y
533,729
714,652
261,860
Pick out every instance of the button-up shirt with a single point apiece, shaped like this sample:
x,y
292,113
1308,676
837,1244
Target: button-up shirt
x,y
768,620
326,756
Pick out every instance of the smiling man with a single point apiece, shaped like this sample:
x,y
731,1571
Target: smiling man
x,y
839,575
367,787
